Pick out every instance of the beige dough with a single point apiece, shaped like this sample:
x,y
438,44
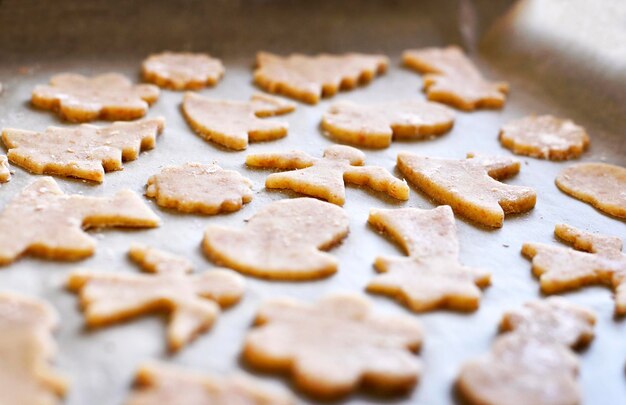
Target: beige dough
x,y
470,186
544,137
533,363
110,96
26,349
281,241
197,188
599,184
332,347
308,78
431,277
162,384
5,171
182,70
85,152
192,301
598,259
324,178
47,223
451,78
232,124
375,125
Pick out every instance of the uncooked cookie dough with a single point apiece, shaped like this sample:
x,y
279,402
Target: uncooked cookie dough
x,y
182,70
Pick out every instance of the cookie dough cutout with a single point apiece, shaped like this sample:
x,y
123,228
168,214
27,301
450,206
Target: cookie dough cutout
x,y
533,363
450,77
325,178
599,184
192,301
544,137
470,186
232,124
84,152
597,259
284,240
335,345
374,126
26,349
110,96
161,383
5,171
431,277
47,223
308,78
198,188
182,70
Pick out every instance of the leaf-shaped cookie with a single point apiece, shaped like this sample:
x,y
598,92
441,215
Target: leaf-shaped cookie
x,y
193,301
308,78
431,277
5,172
470,186
598,259
233,123
110,96
182,70
26,348
85,152
333,346
47,223
451,78
324,178
281,241
375,125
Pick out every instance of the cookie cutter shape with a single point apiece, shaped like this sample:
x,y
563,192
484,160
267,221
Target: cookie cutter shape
x,y
308,78
197,188
544,137
50,224
325,178
232,124
5,171
85,152
595,259
600,184
375,125
431,277
26,349
335,345
110,96
182,70
450,77
192,301
161,383
533,363
284,240
470,186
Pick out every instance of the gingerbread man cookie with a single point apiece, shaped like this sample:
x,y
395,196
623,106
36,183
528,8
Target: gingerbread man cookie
x,y
232,124
599,184
431,277
198,188
374,126
332,347
192,301
182,70
324,178
110,96
26,349
47,223
598,259
161,383
281,241
545,137
451,78
5,172
470,186
308,78
533,363
85,152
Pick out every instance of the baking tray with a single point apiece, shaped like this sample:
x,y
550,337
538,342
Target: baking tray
x,y
40,39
